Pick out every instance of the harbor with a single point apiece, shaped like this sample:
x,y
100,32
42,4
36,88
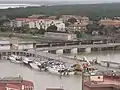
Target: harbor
x,y
66,82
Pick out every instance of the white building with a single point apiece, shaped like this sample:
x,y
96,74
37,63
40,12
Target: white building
x,y
45,23
39,23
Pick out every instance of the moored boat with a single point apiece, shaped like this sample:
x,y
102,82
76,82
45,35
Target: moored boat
x,y
34,66
15,59
27,61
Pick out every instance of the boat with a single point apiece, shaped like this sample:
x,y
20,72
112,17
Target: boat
x,y
27,61
54,70
15,59
34,65
60,70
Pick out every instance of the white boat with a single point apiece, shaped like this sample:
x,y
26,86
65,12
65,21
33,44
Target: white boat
x,y
26,61
15,59
34,66
53,70
60,70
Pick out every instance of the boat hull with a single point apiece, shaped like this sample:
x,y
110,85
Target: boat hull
x,y
34,66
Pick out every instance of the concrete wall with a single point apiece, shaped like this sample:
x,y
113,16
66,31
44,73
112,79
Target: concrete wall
x,y
4,47
98,88
7,47
28,46
90,86
62,36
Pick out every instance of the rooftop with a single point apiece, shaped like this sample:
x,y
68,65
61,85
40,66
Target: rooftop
x,y
108,82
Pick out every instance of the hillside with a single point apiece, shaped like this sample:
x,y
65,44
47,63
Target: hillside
x,y
91,10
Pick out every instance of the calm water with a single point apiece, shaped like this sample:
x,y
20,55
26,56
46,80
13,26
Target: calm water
x,y
43,80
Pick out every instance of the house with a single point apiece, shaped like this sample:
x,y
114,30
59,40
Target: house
x,y
37,16
6,23
78,27
65,18
110,22
52,17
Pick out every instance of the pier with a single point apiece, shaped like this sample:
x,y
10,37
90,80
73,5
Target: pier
x,y
41,55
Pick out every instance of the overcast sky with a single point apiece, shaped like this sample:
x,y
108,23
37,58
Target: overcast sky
x,y
74,1
69,0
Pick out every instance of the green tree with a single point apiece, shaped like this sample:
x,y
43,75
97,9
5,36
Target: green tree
x,y
41,31
78,34
72,20
52,28
67,24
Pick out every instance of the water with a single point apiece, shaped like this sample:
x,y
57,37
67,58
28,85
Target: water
x,y
41,80
103,55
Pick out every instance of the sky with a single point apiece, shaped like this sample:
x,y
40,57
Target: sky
x,y
70,0
80,1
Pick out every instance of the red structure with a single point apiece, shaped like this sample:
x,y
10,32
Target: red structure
x,y
109,83
15,83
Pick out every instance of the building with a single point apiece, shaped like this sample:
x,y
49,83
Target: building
x,y
45,23
78,27
52,17
60,36
109,22
37,16
106,82
84,19
15,83
65,18
14,44
7,23
38,23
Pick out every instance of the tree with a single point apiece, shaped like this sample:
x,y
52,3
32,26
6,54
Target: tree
x,y
78,34
72,20
67,24
52,28
92,27
41,31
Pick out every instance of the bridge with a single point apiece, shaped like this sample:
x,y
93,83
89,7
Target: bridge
x,y
74,48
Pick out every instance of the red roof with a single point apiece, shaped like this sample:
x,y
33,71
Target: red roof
x,y
30,19
13,86
16,84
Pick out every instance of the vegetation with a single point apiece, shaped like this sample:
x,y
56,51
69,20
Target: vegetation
x,y
92,10
52,28
72,20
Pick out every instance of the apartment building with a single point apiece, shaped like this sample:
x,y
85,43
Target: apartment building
x,y
39,23
78,26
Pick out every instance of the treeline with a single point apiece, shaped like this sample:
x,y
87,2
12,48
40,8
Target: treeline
x,y
91,10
